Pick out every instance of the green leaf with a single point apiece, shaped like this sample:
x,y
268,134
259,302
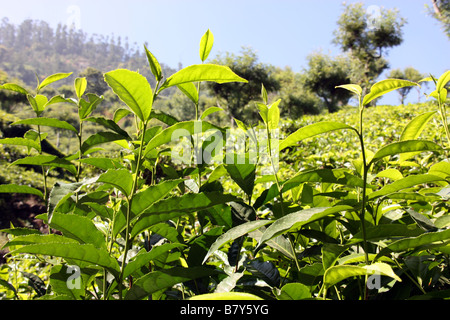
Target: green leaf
x,y
103,163
206,45
83,252
407,182
121,179
263,111
243,174
39,239
100,138
52,78
422,221
443,80
279,243
226,296
273,115
120,113
38,103
298,219
190,90
352,88
209,111
234,233
415,127
338,273
441,169
177,206
14,87
181,129
142,259
202,72
62,191
405,147
14,188
264,94
109,124
385,86
133,89
294,291
144,199
59,278
78,228
21,142
86,107
155,67
423,240
336,176
80,86
163,279
313,130
50,161
47,122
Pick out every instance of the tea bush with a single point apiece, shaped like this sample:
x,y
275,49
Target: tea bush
x,y
345,207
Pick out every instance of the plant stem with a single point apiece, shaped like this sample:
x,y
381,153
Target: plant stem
x,y
44,173
269,146
129,200
365,169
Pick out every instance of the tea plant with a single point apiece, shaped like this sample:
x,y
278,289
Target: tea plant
x,y
207,228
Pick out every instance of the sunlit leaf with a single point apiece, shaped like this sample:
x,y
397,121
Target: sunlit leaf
x,y
133,89
313,130
206,45
80,86
338,273
202,72
155,67
53,78
385,86
47,122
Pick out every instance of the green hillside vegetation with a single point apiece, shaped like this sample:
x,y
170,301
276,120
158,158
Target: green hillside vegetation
x,y
230,179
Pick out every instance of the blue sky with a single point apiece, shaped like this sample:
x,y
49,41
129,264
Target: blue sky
x,y
282,32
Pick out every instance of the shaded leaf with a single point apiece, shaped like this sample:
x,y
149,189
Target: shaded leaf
x,y
163,279
234,233
174,207
298,219
83,252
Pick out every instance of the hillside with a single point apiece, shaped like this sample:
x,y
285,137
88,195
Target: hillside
x,y
33,47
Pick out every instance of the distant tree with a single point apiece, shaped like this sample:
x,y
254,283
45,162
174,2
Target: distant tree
x,y
323,75
366,38
410,74
238,95
95,81
9,99
296,99
440,10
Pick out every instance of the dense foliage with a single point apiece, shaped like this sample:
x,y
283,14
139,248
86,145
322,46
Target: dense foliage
x,y
347,207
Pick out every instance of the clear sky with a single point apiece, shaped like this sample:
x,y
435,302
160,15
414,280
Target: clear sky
x,y
281,32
